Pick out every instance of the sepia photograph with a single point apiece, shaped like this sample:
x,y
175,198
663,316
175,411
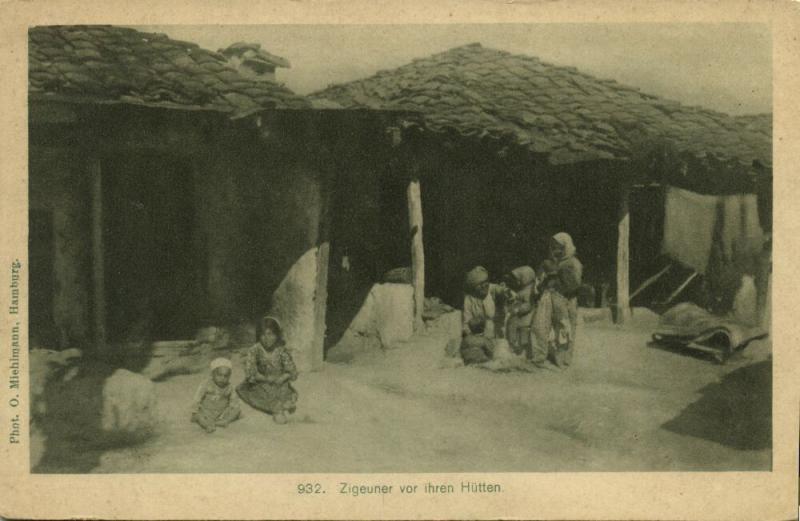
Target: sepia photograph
x,y
400,248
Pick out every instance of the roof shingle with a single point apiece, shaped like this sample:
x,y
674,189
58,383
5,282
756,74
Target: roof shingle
x,y
560,111
116,64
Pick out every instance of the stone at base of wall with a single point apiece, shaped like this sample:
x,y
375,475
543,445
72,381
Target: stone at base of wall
x,y
87,404
385,320
589,315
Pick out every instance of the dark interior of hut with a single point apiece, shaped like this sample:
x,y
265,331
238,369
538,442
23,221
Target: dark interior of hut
x,y
369,233
153,278
41,285
202,220
58,248
499,211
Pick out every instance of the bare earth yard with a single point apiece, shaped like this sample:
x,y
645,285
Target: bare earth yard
x,y
624,405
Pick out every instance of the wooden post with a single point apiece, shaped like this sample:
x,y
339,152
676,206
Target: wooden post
x,y
623,258
321,286
325,168
417,251
98,262
320,306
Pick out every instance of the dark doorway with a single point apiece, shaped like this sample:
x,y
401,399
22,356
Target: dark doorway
x,y
151,272
369,236
646,233
41,279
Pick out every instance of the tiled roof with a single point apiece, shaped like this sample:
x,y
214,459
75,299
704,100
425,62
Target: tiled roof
x,y
116,64
559,111
755,126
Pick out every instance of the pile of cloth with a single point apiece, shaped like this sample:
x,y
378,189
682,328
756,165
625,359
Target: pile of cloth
x,y
688,325
504,360
434,308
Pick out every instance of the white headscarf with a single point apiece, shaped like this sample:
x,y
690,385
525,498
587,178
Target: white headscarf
x,y
221,362
524,275
565,241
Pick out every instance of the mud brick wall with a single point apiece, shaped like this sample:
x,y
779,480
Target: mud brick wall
x,y
59,188
254,221
258,220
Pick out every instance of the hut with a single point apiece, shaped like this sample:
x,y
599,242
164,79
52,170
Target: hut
x,y
513,149
170,190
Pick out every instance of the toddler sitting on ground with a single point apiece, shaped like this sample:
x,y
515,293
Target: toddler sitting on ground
x,y
215,402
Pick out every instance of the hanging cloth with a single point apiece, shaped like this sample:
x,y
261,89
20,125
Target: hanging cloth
x,y
742,237
690,223
689,220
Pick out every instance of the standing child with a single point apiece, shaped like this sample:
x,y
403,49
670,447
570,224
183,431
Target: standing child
x,y
215,403
269,369
556,318
518,326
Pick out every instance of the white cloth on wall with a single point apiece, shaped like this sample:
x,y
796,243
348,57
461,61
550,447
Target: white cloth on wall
x,y
689,220
732,225
742,233
742,237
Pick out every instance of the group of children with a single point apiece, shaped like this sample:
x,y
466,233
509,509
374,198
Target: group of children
x,y
534,311
539,312
269,370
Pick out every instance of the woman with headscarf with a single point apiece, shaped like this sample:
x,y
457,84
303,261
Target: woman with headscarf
x,y
518,328
481,302
556,318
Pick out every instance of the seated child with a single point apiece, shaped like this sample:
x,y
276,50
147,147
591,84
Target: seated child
x,y
269,372
476,348
215,402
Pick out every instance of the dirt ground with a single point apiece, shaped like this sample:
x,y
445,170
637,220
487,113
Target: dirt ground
x,y
623,406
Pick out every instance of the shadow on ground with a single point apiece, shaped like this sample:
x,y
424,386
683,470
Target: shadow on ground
x,y
736,412
73,421
682,350
74,428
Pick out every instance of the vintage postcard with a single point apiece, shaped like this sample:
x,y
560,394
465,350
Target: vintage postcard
x,y
329,260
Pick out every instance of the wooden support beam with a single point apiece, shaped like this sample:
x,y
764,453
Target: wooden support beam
x,y
98,258
320,306
646,284
623,311
417,251
680,288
